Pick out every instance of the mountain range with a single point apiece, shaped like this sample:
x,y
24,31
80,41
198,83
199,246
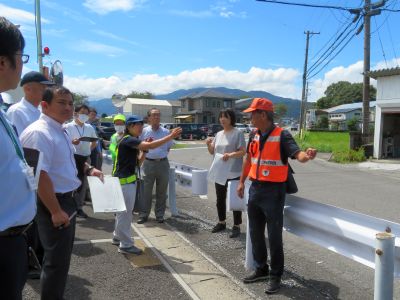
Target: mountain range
x,y
105,106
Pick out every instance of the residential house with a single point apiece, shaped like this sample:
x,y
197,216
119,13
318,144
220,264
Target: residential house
x,y
341,114
387,121
204,107
137,106
313,117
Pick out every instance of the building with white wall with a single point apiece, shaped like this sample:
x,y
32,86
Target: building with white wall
x,y
136,106
387,119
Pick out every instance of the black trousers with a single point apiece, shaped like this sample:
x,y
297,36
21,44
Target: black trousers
x,y
57,244
221,191
33,240
265,207
13,267
80,161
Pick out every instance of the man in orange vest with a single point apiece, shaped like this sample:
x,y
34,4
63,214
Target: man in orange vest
x,y
266,164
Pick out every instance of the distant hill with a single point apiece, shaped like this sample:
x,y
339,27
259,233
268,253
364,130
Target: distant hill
x,y
103,106
293,105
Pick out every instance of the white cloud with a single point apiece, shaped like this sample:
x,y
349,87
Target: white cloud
x,y
114,37
276,81
19,16
103,7
351,73
192,13
99,48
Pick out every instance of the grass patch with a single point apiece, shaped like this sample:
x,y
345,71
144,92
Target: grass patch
x,y
349,156
325,141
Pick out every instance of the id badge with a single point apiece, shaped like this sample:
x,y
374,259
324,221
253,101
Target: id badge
x,y
30,176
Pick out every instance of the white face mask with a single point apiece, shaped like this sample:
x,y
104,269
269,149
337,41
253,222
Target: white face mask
x,y
83,118
119,128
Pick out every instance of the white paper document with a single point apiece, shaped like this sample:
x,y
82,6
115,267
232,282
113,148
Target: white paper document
x,y
107,196
219,170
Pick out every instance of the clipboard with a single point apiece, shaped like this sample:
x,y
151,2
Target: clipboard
x,y
88,139
34,159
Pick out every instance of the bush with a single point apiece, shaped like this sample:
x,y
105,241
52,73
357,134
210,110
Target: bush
x,y
349,156
323,123
352,124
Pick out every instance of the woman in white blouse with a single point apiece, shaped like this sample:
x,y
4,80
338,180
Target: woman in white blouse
x,y
230,143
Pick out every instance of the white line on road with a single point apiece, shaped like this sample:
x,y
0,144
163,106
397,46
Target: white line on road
x,y
188,148
87,242
178,278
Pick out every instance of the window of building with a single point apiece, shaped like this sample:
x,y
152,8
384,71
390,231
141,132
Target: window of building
x,y
218,104
213,103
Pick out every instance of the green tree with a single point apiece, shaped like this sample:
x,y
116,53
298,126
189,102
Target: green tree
x,y
103,115
343,92
323,123
280,110
80,99
145,95
352,124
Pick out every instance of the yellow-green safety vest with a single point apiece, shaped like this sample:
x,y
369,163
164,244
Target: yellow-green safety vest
x,y
125,180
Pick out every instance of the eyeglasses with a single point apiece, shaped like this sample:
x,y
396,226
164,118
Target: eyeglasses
x,y
24,57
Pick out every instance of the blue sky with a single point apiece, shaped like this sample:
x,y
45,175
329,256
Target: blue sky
x,y
110,46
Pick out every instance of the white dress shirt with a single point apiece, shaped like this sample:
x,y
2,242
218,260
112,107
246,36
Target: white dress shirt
x,y
50,137
17,200
76,131
159,152
22,114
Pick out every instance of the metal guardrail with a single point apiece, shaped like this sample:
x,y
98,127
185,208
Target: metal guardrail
x,y
342,231
188,177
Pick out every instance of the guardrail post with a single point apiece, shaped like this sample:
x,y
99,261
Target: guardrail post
x,y
172,193
199,182
384,266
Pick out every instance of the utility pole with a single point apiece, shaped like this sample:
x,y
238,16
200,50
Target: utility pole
x,y
369,11
366,81
39,35
303,93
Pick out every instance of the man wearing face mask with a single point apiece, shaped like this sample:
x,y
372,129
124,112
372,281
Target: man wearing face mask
x,y
78,129
119,125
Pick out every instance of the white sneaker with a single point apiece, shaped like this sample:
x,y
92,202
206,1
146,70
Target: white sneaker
x,y
115,241
130,250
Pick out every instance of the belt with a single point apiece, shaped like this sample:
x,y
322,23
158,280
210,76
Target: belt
x,y
156,159
15,231
66,195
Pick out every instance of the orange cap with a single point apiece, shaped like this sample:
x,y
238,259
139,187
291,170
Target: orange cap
x,y
261,104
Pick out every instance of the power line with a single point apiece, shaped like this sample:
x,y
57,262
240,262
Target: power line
x,y
380,41
348,9
336,43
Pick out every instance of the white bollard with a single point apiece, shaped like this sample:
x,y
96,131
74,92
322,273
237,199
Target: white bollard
x,y
384,266
199,182
172,193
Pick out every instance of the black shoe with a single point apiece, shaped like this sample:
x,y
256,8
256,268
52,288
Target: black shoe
x,y
258,275
142,220
81,214
273,285
33,274
235,232
160,220
219,227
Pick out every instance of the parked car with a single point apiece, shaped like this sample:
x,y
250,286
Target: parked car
x,y
193,131
242,127
105,132
213,129
294,127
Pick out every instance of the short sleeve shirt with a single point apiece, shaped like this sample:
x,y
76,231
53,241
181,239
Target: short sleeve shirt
x,y
49,137
159,152
76,131
127,157
227,142
23,114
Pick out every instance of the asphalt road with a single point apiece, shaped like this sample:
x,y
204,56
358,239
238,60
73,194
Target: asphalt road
x,y
309,268
311,272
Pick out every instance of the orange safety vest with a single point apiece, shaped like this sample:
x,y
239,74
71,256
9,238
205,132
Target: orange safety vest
x,y
267,165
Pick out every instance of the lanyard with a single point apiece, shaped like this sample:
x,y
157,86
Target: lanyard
x,y
12,137
83,131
